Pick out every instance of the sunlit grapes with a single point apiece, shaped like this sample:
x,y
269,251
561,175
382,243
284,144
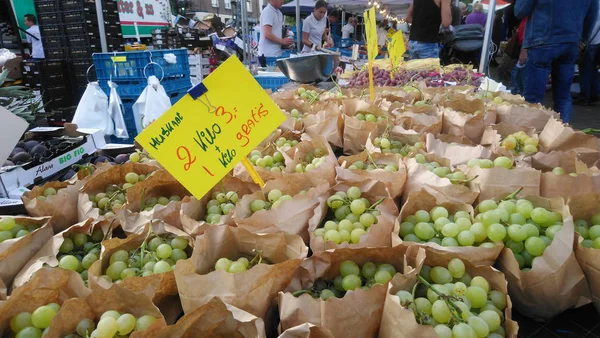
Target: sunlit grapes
x,y
389,145
10,229
221,204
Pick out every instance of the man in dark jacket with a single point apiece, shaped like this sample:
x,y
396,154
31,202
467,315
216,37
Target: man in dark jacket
x,y
552,35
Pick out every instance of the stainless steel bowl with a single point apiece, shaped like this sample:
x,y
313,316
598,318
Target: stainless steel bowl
x,y
309,68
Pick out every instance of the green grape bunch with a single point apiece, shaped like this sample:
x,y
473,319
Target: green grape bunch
x,y
271,201
221,204
501,161
285,144
79,251
48,194
312,160
590,232
33,324
114,196
369,117
456,304
352,216
10,229
351,277
520,143
455,176
242,264
112,324
274,163
309,95
151,202
370,166
157,254
389,146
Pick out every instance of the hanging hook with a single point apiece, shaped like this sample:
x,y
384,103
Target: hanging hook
x,y
87,73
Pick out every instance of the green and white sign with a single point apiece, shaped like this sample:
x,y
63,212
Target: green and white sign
x,y
147,14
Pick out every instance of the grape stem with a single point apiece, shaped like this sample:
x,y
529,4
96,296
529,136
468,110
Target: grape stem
x,y
143,205
454,309
257,258
145,243
513,195
463,181
371,157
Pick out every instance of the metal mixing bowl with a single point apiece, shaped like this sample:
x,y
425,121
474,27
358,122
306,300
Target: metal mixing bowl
x,y
309,68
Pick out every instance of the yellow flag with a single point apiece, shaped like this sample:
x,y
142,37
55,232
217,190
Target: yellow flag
x,y
396,49
372,47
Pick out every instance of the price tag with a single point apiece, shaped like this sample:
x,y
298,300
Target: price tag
x,y
212,128
118,58
372,46
396,48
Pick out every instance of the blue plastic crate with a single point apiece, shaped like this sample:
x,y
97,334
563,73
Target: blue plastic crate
x,y
272,61
135,63
136,87
271,82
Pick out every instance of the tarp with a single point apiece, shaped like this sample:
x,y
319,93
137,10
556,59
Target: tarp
x,y
306,7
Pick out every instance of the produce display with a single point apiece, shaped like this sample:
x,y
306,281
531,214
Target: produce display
x,y
455,303
359,201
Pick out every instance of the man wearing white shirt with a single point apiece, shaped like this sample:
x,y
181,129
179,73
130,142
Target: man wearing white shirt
x,y
271,32
349,28
34,37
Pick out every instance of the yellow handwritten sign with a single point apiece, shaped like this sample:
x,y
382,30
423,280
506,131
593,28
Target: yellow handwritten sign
x,y
372,46
396,49
204,135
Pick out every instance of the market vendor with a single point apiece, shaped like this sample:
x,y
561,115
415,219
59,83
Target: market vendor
x,y
34,37
349,29
271,32
314,33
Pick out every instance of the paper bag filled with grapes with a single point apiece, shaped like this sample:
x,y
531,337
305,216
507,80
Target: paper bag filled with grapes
x,y
56,199
560,137
456,149
331,287
450,227
30,309
105,193
285,204
75,248
362,120
421,118
439,178
586,213
466,116
381,175
107,313
243,269
314,158
538,261
525,114
160,196
563,175
217,206
307,330
449,298
144,262
352,219
216,319
20,239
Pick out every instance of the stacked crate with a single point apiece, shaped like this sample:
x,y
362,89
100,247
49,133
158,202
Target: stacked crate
x,y
130,71
166,38
49,77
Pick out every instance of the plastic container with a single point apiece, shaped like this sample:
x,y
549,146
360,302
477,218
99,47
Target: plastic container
x,y
135,62
49,18
54,53
79,16
271,82
51,30
46,6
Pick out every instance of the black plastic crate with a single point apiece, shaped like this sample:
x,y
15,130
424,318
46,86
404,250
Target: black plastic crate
x,y
57,102
62,115
113,30
54,53
43,67
52,30
111,18
79,16
79,28
56,41
81,65
110,6
46,6
82,41
71,5
83,51
49,18
115,44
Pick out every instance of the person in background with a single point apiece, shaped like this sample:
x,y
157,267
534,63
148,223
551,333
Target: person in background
x,y
477,17
348,31
382,33
332,17
456,13
426,17
496,35
34,38
517,81
589,82
463,11
271,32
314,32
552,35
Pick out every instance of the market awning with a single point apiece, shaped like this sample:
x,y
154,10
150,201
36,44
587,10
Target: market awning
x,y
306,7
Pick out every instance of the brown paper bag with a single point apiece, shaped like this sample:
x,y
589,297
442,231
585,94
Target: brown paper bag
x,y
216,319
98,183
587,180
555,283
160,288
197,225
16,252
326,121
378,182
378,235
398,321
499,182
99,301
338,315
46,286
459,117
422,200
308,145
456,153
493,134
584,207
422,119
356,132
161,183
397,133
62,207
525,114
253,291
291,216
306,330
47,255
556,136
420,178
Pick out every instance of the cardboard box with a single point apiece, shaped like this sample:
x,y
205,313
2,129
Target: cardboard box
x,y
14,68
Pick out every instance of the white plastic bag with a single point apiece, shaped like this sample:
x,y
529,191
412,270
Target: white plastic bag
x,y
115,111
152,103
92,110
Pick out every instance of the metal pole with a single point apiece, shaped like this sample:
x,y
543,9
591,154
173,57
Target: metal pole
x,y
245,30
298,32
343,18
485,50
102,31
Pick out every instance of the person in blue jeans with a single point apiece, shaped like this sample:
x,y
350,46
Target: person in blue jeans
x,y
552,35
426,17
589,83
